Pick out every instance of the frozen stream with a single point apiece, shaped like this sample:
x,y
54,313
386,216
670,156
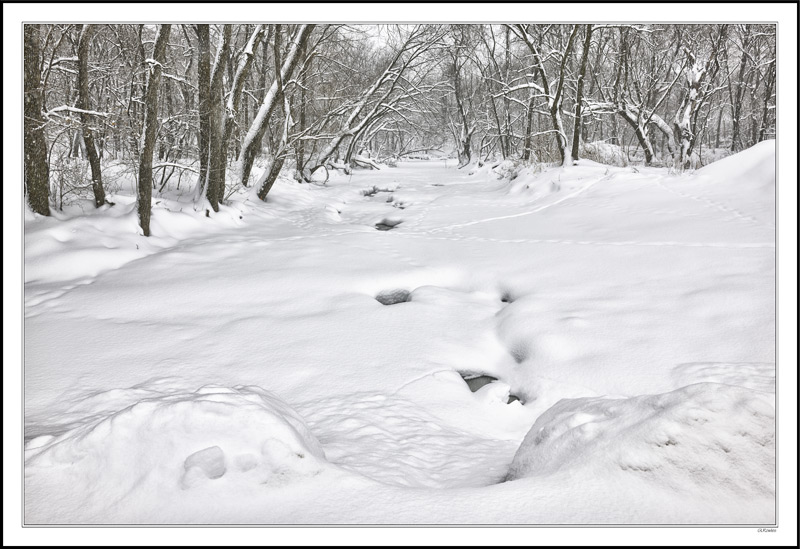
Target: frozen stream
x,y
359,304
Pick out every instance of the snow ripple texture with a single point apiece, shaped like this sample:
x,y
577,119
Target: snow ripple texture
x,y
706,437
394,441
211,439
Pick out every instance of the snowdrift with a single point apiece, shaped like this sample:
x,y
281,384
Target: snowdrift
x,y
742,184
174,446
755,165
702,438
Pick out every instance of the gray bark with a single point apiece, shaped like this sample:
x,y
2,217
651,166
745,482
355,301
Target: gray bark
x,y
576,137
83,103
145,187
252,141
215,188
265,185
37,171
204,96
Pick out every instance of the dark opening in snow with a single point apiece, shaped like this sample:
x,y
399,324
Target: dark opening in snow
x,y
507,297
476,381
392,297
387,224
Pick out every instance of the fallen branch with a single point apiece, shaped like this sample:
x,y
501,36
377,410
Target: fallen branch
x,y
364,162
63,108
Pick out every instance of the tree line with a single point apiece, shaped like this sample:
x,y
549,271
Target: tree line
x,y
207,102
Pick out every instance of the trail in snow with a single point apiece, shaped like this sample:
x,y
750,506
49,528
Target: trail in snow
x,y
573,194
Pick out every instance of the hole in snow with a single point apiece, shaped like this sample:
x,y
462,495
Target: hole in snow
x,y
507,297
387,224
392,297
477,381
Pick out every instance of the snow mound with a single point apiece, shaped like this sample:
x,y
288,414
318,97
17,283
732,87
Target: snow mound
x,y
755,165
172,446
604,153
699,438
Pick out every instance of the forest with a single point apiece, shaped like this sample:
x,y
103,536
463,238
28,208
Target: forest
x,y
214,108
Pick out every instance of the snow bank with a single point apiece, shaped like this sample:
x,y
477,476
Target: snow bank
x,y
755,165
605,153
742,185
702,438
166,448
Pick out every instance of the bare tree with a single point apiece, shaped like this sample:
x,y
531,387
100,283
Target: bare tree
x,y
553,91
768,98
576,137
204,100
463,127
83,103
154,69
37,172
215,184
699,82
386,92
252,141
264,184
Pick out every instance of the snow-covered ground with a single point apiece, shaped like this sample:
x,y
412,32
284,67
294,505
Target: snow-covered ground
x,y
238,368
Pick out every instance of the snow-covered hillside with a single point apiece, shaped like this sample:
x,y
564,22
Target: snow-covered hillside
x,y
303,361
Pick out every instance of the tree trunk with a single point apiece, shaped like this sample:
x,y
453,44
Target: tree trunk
x,y
266,183
252,141
554,97
145,190
762,134
576,138
558,98
217,152
465,148
736,107
242,71
640,130
203,100
37,172
526,147
83,103
299,150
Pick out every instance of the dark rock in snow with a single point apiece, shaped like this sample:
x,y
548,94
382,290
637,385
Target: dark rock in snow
x,y
392,297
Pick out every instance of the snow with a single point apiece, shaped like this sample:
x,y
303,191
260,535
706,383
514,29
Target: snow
x,y
705,438
180,378
166,446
